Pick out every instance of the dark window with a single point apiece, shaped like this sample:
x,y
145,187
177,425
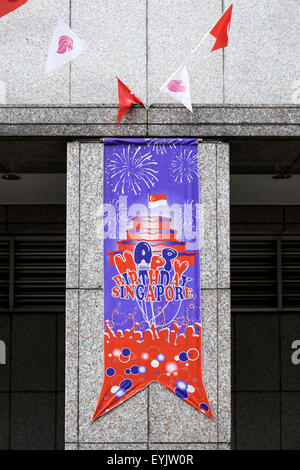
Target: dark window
x,y
265,281
32,325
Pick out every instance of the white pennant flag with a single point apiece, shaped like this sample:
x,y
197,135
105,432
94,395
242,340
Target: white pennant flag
x,y
65,46
178,86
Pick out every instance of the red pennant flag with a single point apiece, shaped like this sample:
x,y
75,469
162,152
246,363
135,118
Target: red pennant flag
x,y
6,6
126,98
221,30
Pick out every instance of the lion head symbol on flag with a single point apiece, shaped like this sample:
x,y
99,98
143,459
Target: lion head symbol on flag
x,y
176,86
64,43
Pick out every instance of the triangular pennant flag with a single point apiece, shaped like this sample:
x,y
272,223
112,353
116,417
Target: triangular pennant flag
x,y
178,86
126,99
6,6
221,30
65,46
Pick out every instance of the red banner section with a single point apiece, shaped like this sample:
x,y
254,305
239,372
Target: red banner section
x,y
6,6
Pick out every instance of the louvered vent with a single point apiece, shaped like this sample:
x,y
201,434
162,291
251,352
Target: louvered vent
x,y
4,274
290,273
254,273
32,274
39,274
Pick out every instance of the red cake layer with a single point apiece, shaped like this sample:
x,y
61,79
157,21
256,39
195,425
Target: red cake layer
x,y
156,231
151,218
158,224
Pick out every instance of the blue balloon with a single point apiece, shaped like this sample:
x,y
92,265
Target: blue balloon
x,y
126,384
183,356
204,406
181,384
120,393
134,370
160,357
126,352
110,371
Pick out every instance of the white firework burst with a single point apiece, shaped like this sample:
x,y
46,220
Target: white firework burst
x,y
130,169
161,146
122,217
184,166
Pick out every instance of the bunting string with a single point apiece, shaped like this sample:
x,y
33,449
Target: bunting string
x,y
66,45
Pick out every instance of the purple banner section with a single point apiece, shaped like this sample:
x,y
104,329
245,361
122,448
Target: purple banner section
x,y
136,171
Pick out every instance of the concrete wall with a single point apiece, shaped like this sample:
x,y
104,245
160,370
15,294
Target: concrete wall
x,y
154,418
143,41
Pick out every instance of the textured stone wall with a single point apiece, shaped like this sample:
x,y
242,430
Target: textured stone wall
x,y
261,65
154,418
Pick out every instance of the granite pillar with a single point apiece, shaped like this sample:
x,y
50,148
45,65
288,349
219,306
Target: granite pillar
x,y
154,418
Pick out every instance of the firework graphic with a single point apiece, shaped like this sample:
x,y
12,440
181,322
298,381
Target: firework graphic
x,y
184,166
191,223
161,146
123,220
130,169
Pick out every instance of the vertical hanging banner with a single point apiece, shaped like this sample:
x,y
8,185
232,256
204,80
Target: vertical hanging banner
x,y
7,6
152,307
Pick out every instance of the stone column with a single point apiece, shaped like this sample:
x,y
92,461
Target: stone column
x,y
154,418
